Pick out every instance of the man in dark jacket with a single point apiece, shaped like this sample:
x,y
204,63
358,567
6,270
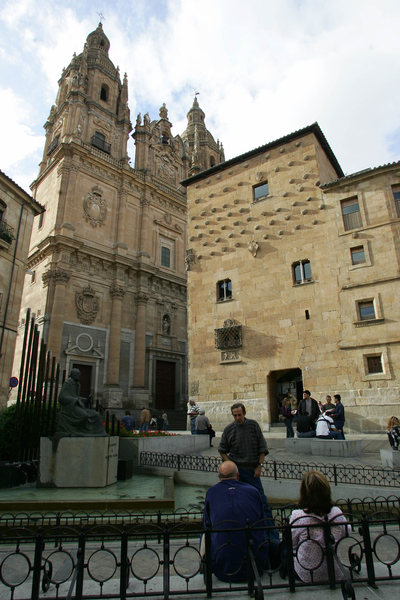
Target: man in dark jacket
x,y
308,406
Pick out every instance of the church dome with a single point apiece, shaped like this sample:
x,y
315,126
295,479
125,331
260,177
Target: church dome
x,y
97,40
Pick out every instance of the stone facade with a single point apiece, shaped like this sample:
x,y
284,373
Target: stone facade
x,y
294,274
109,257
17,211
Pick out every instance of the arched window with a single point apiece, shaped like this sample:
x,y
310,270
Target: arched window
x,y
212,161
104,92
164,139
224,290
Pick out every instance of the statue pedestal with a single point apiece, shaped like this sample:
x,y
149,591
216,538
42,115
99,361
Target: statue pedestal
x,y
139,397
112,396
78,462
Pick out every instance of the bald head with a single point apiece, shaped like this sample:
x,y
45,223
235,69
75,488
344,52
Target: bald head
x,y
228,470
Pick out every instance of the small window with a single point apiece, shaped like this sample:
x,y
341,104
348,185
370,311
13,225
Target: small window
x,y
99,141
260,191
396,196
164,139
165,256
351,214
224,290
366,310
212,161
302,271
41,219
104,93
33,276
374,364
357,255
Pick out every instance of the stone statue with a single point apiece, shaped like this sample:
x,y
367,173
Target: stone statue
x,y
166,325
74,419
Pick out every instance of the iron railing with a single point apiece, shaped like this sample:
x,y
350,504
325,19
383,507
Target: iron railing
x,y
6,231
105,556
336,474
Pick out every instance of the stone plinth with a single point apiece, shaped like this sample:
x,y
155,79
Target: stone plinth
x,y
112,396
130,448
78,462
139,397
315,447
390,458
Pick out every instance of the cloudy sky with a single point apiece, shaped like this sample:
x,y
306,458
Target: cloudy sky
x,y
264,68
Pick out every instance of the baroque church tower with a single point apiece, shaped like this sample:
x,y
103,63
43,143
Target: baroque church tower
x,y
109,286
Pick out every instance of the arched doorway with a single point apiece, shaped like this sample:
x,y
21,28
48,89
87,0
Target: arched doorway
x,y
280,383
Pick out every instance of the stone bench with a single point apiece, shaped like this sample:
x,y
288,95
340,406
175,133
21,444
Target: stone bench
x,y
318,447
390,458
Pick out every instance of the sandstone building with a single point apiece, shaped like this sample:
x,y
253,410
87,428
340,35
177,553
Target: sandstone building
x,y
17,211
293,282
109,292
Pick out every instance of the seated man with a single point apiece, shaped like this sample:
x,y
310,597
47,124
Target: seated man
x,y
326,429
305,426
228,505
74,419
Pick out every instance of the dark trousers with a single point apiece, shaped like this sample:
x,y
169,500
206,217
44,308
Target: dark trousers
x,y
340,425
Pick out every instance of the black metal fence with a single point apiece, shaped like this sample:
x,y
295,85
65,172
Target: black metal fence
x,y
112,555
335,474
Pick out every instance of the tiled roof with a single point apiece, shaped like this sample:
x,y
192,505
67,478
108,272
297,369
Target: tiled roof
x,y
314,128
370,170
28,197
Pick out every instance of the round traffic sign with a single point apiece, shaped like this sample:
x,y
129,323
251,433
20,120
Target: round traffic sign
x,y
13,382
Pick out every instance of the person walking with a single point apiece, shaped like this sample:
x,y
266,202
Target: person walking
x,y
145,417
288,414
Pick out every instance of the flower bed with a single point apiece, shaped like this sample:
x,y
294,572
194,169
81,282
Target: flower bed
x,y
145,434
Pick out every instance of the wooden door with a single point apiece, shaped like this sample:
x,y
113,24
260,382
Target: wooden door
x,y
86,379
165,385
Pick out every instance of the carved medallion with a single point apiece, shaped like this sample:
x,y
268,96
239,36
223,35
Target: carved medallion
x,y
259,176
95,207
87,305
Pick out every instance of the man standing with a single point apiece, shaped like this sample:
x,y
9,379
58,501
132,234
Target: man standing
x,y
193,413
232,500
328,405
243,443
308,406
203,425
145,417
127,421
338,414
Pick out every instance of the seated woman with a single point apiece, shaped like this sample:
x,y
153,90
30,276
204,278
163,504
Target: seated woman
x,y
309,542
74,419
393,431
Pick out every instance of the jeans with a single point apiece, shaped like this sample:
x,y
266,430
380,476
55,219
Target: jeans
x,y
193,426
305,434
335,435
289,428
340,425
144,426
247,476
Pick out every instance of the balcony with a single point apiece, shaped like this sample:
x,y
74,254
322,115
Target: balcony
x,y
6,232
53,145
101,144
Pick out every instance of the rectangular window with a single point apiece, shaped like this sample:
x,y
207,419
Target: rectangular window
x,y
41,220
396,196
302,271
357,255
260,191
224,290
374,364
165,257
351,214
366,310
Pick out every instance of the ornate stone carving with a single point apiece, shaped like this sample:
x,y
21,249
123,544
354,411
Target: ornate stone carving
x,y
253,248
141,298
190,258
166,170
59,277
95,207
87,305
163,111
231,356
117,291
259,176
166,325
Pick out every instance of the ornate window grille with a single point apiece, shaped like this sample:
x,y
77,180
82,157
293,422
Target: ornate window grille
x,y
228,336
53,145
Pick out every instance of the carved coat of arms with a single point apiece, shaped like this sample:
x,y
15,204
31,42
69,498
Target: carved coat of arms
x,y
95,207
87,305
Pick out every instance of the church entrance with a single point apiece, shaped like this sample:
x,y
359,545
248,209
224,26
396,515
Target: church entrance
x,y
86,378
280,383
165,385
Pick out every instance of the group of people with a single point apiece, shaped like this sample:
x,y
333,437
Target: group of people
x,y
147,421
199,422
314,419
239,499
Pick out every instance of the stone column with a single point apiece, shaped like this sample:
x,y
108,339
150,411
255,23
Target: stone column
x,y
121,219
112,393
144,228
140,339
60,279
